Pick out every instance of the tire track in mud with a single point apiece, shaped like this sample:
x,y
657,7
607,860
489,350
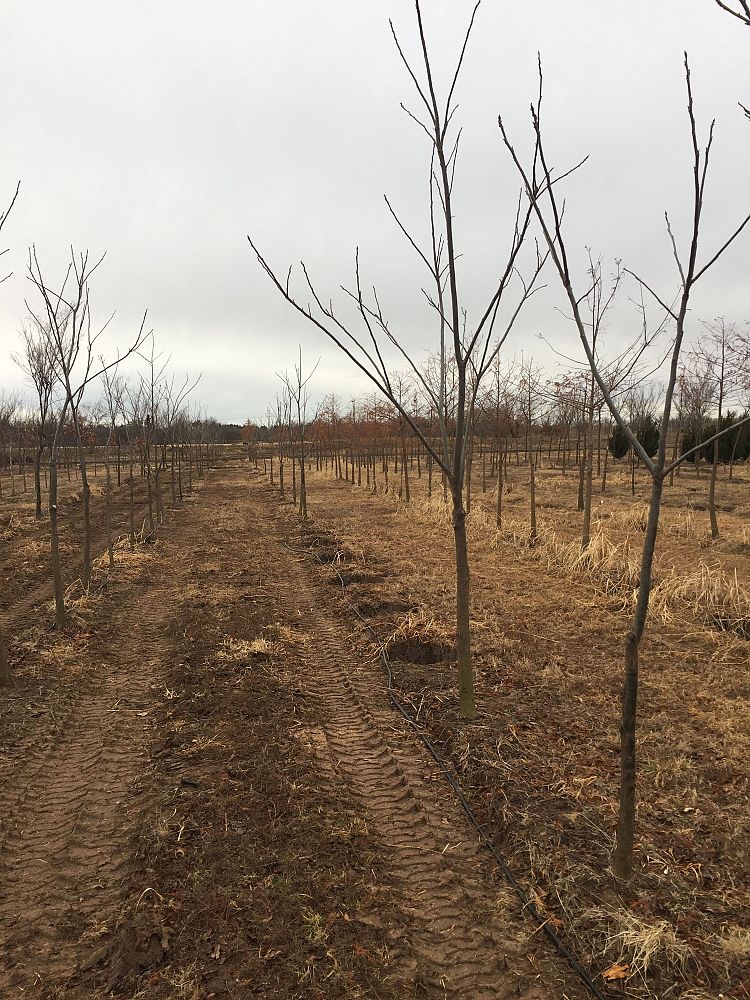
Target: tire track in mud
x,y
69,816
459,945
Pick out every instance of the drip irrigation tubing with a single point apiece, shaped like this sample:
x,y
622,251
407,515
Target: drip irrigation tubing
x,y
527,905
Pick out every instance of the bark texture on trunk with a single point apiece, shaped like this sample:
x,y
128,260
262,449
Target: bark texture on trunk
x,y
712,494
467,704
57,583
622,859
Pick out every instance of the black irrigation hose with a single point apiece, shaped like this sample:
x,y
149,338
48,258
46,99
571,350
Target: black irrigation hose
x,y
527,905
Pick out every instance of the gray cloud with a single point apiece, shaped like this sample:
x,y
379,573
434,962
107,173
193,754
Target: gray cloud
x,y
163,133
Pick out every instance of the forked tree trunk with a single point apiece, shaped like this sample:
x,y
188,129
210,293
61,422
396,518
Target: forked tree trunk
x,y
467,704
622,859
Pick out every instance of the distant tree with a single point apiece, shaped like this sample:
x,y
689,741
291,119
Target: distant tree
x,y
64,317
715,362
619,442
38,364
299,423
646,429
4,664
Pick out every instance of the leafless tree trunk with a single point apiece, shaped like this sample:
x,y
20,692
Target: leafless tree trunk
x,y
550,221
66,322
468,353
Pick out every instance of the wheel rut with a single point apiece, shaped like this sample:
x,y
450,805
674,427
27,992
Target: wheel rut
x,y
466,938
70,816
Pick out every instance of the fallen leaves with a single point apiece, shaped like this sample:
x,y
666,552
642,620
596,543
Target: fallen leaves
x,y
616,972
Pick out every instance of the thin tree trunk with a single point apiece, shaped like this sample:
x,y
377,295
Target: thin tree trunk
x,y
108,508
131,500
712,493
589,477
55,544
86,574
532,497
303,483
622,859
499,513
38,482
604,472
467,703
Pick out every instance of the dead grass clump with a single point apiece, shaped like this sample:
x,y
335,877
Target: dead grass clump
x,y
641,944
733,946
241,650
614,565
419,638
741,544
710,594
40,548
683,526
65,655
635,518
433,510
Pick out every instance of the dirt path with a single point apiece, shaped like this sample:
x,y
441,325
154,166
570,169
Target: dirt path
x,y
72,805
466,938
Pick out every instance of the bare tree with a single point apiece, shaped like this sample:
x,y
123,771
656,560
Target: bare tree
x,y
9,404
153,392
65,318
4,664
296,388
472,348
112,389
133,406
741,10
712,360
548,210
175,397
4,218
36,361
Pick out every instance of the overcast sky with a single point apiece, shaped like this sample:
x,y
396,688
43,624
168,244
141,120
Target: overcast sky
x,y
163,133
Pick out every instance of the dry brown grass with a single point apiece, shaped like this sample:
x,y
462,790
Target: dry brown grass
x,y
241,650
642,944
548,657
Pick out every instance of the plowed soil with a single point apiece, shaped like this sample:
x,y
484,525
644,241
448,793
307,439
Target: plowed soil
x,y
204,792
